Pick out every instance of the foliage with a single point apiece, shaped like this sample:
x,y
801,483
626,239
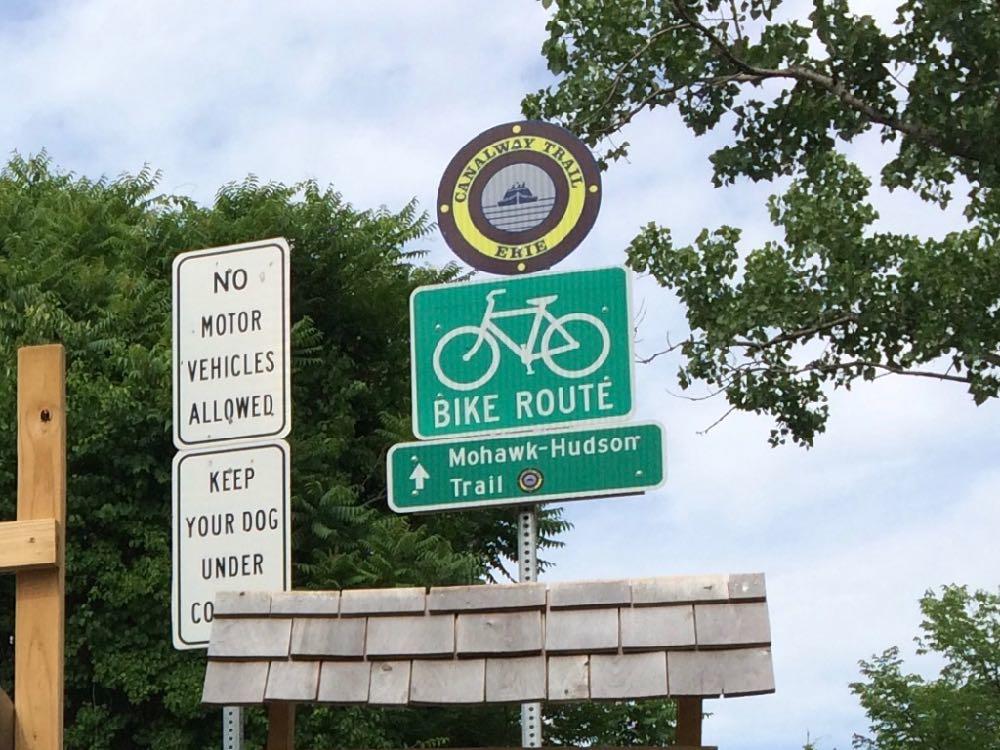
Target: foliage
x,y
773,327
650,723
87,263
960,710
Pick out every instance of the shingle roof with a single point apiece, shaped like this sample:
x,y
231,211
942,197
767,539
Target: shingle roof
x,y
673,636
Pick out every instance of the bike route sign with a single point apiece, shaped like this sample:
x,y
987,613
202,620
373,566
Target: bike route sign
x,y
539,350
535,467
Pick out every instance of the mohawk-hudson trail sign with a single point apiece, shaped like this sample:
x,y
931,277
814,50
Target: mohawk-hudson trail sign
x,y
525,468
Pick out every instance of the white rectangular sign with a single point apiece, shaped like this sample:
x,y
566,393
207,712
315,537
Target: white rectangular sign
x,y
231,351
231,530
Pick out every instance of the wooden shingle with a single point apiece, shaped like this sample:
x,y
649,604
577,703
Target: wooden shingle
x,y
390,683
581,630
645,628
511,633
292,681
621,676
590,594
305,603
423,635
242,604
515,679
233,683
744,624
448,682
344,682
486,598
328,638
745,671
250,638
680,590
569,678
382,601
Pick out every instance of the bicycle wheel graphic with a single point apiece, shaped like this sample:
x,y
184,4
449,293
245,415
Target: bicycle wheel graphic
x,y
583,324
465,338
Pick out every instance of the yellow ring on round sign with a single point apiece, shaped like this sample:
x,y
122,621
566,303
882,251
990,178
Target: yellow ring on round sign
x,y
483,244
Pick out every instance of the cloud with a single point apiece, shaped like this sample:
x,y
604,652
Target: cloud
x,y
899,494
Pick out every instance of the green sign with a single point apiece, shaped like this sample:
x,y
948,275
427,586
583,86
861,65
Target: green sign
x,y
545,349
534,467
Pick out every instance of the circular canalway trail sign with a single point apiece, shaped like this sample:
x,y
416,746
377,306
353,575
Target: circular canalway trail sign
x,y
519,197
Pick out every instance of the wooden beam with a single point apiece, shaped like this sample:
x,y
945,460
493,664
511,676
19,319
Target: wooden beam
x,y
41,494
689,716
6,722
28,545
280,726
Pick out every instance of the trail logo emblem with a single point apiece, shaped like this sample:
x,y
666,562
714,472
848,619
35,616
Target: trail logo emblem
x,y
519,197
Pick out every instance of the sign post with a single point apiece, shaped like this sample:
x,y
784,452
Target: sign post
x,y
33,548
527,572
496,365
232,407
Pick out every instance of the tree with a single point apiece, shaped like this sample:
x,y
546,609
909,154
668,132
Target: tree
x,y
87,263
773,327
647,723
960,710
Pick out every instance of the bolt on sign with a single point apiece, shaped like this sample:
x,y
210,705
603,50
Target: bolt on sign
x,y
545,349
525,468
231,530
519,197
231,353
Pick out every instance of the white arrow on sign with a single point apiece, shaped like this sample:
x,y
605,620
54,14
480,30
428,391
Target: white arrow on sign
x,y
419,475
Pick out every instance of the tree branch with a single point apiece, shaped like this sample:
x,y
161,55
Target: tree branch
x,y
928,136
831,366
639,53
797,334
670,91
736,21
718,421
670,348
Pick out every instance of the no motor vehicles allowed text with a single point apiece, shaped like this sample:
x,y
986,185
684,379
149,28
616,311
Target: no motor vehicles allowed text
x,y
231,353
231,530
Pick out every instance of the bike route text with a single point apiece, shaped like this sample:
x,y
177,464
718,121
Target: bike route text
x,y
580,399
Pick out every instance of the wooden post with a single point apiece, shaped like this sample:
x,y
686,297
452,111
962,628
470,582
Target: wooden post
x,y
6,722
41,495
27,545
689,715
280,726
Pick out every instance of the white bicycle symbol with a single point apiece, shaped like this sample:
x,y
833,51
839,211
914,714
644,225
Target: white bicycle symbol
x,y
492,335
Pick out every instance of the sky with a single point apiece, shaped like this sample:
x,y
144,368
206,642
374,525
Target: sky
x,y
898,496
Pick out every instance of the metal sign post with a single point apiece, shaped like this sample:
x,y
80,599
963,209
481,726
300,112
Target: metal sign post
x,y
232,728
232,404
527,569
